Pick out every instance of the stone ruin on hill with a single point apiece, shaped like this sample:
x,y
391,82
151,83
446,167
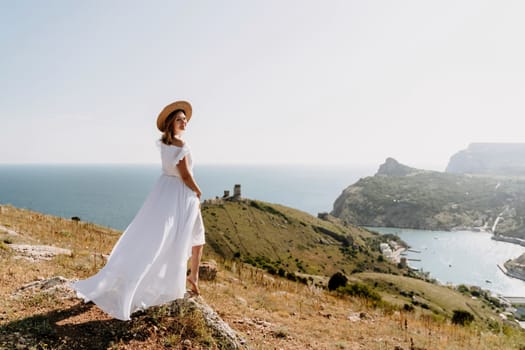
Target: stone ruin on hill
x,y
227,197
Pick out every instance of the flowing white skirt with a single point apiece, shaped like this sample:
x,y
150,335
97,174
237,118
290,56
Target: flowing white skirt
x,y
149,262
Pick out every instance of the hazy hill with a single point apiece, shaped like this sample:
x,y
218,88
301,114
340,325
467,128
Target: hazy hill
x,y
507,159
434,200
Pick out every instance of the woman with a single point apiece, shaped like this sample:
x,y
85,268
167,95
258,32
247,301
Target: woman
x,y
148,264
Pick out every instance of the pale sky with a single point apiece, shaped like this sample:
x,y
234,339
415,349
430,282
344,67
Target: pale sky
x,y
273,81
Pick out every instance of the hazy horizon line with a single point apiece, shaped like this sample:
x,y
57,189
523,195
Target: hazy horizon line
x,y
433,167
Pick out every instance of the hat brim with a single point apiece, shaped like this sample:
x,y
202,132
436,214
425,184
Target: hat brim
x,y
184,105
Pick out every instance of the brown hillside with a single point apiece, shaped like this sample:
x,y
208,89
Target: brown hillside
x,y
268,311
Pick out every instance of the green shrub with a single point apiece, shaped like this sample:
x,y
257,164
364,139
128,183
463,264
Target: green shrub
x,y
249,260
360,290
462,318
291,276
255,205
270,268
463,289
337,280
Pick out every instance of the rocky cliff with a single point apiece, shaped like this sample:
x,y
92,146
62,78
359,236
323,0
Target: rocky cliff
x,y
506,159
400,196
392,167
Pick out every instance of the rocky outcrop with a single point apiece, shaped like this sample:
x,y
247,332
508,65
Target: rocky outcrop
x,y
37,252
208,270
392,167
507,159
434,201
222,332
7,231
58,288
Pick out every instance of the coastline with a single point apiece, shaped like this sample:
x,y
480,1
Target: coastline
x,y
448,266
509,239
510,273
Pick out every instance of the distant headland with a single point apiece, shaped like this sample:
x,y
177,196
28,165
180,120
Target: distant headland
x,y
404,197
507,159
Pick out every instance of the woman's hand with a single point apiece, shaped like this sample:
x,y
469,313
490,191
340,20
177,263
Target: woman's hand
x,y
187,177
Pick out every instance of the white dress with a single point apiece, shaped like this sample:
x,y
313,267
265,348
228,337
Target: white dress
x,y
149,262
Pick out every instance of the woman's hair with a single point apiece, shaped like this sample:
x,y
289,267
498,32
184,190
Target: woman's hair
x,y
168,135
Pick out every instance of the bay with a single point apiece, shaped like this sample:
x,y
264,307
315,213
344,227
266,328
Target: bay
x,y
462,257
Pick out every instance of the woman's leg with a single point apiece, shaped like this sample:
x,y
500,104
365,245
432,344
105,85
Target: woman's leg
x,y
193,279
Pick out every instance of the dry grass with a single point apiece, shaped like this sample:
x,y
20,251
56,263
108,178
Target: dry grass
x,y
305,317
270,312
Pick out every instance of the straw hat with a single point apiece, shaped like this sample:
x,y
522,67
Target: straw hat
x,y
184,105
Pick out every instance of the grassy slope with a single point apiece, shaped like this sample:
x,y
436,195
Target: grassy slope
x,y
289,239
441,300
299,316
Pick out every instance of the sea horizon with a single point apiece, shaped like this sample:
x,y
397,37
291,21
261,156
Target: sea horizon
x,y
111,194
258,164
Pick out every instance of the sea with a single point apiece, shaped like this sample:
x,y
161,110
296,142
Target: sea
x,y
111,195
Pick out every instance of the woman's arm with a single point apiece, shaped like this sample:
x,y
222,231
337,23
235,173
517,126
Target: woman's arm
x,y
187,177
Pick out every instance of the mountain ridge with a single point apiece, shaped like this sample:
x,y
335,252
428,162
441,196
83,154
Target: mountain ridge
x,y
506,159
432,200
